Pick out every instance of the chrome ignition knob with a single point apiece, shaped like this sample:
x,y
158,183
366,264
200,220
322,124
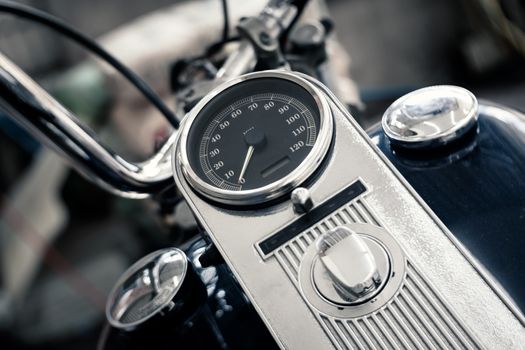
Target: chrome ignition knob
x,y
301,200
351,268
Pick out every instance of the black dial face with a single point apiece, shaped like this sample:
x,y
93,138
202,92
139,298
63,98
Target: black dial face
x,y
253,134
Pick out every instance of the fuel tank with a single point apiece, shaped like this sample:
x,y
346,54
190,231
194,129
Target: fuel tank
x,y
467,161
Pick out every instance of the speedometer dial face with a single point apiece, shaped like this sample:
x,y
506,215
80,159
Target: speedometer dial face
x,y
252,135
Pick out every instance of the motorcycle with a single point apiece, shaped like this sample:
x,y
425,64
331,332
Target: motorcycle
x,y
312,233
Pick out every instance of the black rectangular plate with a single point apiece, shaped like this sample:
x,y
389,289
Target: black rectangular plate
x,y
311,218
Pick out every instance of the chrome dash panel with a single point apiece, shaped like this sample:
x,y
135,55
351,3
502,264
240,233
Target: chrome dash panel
x,y
442,300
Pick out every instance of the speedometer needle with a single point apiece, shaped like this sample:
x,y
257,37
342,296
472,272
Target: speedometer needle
x,y
246,162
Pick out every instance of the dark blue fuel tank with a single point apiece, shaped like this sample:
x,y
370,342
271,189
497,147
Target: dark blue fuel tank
x,y
476,186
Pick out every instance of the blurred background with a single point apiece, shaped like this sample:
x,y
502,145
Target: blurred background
x,y
64,242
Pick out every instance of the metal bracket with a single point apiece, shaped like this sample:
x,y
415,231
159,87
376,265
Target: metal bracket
x,y
266,46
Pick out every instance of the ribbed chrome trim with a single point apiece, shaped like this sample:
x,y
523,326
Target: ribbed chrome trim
x,y
417,317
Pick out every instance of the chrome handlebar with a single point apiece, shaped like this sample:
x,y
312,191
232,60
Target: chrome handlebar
x,y
45,118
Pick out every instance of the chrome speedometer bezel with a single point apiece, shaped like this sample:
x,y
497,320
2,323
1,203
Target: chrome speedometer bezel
x,y
276,188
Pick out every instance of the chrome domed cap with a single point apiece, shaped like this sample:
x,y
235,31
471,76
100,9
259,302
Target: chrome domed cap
x,y
431,116
146,288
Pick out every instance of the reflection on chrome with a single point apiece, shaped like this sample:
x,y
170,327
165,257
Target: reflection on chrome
x,y
34,109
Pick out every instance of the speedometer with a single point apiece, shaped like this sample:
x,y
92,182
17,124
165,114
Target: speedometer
x,y
255,138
